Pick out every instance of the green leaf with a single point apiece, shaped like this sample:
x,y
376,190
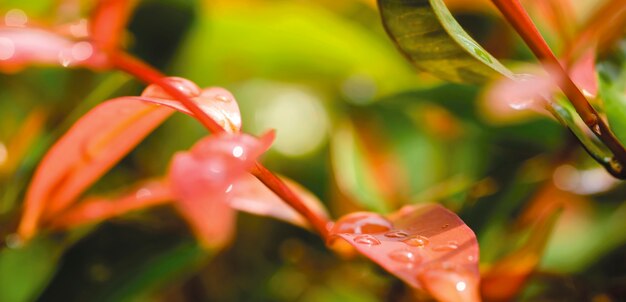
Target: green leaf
x,y
615,107
426,32
25,271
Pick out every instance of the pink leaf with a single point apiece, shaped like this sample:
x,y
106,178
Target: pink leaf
x,y
203,178
96,209
583,73
426,246
24,46
99,140
252,196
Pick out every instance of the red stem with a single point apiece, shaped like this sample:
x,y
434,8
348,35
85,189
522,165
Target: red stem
x,y
147,74
517,16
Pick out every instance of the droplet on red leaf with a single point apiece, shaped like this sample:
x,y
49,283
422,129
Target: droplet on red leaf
x,y
362,223
412,245
217,102
96,142
201,178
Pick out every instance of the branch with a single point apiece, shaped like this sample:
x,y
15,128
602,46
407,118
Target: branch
x,y
517,16
147,74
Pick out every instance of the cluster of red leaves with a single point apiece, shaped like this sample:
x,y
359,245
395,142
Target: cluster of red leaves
x,y
426,246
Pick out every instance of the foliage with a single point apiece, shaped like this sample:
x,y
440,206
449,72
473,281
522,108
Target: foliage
x,y
407,132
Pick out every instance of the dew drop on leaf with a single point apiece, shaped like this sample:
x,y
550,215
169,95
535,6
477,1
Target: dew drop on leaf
x,y
417,241
404,256
397,234
366,240
362,223
451,246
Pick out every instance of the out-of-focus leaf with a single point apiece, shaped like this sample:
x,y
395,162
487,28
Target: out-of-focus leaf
x,y
24,46
202,179
102,137
426,246
252,196
353,174
108,22
291,41
504,280
25,270
427,33
96,209
157,271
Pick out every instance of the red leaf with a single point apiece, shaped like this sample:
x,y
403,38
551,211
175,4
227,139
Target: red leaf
x,y
96,209
24,46
426,246
108,22
252,196
100,139
202,181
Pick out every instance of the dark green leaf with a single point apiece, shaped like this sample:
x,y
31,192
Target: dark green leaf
x,y
426,32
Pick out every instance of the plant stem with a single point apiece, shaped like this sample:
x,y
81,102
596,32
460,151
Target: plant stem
x,y
146,73
517,16
278,186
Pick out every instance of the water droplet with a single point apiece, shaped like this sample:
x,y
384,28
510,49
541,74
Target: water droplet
x,y
404,256
229,188
417,241
223,98
185,86
7,48
14,241
461,286
16,18
65,57
82,51
596,129
362,223
451,246
237,151
366,240
471,258
445,226
397,234
143,193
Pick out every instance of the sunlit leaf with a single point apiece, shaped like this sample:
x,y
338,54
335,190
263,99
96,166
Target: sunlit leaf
x,y
102,137
426,246
426,32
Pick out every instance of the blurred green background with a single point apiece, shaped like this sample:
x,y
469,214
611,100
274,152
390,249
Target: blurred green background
x,y
356,124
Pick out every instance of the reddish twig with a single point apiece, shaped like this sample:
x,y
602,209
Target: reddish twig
x,y
517,16
147,74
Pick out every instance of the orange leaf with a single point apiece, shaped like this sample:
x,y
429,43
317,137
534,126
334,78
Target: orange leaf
x,y
108,22
101,138
426,246
96,209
